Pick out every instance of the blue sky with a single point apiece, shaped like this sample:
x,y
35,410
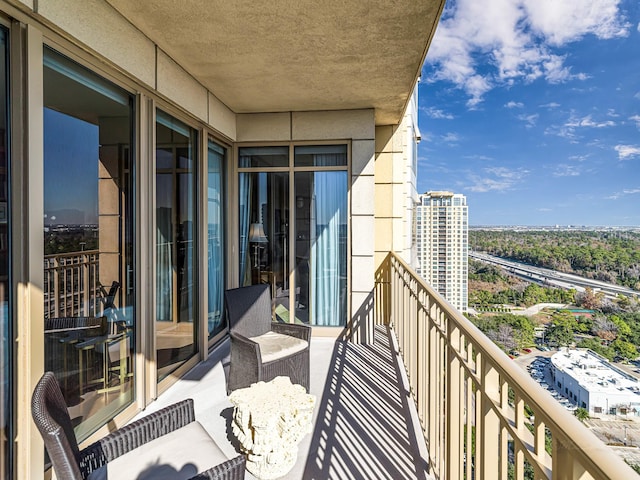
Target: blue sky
x,y
531,108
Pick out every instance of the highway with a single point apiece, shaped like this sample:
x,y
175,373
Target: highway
x,y
545,276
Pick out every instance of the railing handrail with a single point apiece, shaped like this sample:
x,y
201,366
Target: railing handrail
x,y
591,453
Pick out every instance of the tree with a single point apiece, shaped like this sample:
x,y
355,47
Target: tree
x,y
605,328
626,350
503,336
560,333
590,299
581,413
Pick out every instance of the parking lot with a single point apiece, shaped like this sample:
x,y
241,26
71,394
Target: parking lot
x,y
621,434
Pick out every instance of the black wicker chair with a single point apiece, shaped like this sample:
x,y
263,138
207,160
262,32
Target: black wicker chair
x,y
145,449
260,348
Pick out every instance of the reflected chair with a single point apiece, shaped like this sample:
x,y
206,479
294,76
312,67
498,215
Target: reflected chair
x,y
167,444
260,348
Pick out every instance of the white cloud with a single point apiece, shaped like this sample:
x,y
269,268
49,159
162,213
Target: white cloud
x,y
578,158
627,151
587,121
496,179
437,113
530,120
629,191
550,105
513,104
564,170
636,118
451,138
518,37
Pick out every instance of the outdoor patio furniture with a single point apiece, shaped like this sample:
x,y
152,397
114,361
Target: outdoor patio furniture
x,y
167,444
260,348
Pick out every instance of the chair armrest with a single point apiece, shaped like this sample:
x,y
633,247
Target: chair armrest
x,y
292,329
136,434
245,347
233,469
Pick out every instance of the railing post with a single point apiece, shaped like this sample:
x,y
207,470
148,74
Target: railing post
x,y
454,381
564,464
488,444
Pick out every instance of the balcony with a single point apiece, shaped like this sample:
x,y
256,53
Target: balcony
x,y
432,397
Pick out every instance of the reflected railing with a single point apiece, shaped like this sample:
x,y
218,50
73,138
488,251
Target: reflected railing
x,y
482,416
71,284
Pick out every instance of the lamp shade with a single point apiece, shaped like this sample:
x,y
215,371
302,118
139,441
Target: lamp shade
x,y
256,233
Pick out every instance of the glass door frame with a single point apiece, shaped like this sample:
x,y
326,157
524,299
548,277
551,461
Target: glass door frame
x,y
233,273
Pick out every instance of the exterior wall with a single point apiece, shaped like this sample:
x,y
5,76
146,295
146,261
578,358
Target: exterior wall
x,y
109,45
395,186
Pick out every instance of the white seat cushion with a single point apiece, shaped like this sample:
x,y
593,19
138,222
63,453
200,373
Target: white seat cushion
x,y
178,455
274,346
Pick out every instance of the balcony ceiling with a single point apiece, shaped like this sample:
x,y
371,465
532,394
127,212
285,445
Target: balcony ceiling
x,y
295,55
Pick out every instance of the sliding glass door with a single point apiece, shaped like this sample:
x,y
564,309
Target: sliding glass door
x,y
89,323
215,239
176,325
6,343
304,261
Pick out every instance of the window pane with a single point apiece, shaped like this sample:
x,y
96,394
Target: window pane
x,y
88,235
321,156
5,281
215,239
321,247
263,157
264,224
176,146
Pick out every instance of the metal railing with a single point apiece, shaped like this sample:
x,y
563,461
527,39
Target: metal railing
x,y
483,417
71,286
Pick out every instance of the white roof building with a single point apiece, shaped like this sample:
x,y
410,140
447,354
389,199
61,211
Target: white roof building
x,y
591,382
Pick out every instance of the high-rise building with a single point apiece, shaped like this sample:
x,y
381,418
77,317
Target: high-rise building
x,y
442,223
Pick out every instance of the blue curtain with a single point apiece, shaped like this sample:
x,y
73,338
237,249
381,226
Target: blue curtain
x,y
328,249
245,220
215,244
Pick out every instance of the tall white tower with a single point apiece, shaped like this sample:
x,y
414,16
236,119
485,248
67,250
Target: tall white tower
x,y
442,226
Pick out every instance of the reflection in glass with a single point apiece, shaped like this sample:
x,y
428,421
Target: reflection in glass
x,y
258,157
264,225
88,243
5,307
215,240
321,247
176,145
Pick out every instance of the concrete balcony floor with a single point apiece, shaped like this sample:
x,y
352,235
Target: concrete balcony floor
x,y
365,423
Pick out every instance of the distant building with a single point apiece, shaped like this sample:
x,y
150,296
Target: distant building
x,y
442,223
591,382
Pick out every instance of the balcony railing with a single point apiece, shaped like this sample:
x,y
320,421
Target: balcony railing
x,y
483,417
71,287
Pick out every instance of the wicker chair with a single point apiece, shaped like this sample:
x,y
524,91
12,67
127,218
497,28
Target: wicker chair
x,y
168,444
260,348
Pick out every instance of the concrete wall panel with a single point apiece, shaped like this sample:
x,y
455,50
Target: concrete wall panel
x,y
362,273
353,124
176,84
263,127
362,195
362,228
362,157
221,117
103,29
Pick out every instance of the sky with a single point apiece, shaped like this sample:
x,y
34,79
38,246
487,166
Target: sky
x,y
531,108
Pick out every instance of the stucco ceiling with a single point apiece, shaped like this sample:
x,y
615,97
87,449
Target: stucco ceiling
x,y
296,55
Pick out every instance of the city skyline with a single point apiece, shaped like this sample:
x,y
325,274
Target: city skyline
x,y
531,109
